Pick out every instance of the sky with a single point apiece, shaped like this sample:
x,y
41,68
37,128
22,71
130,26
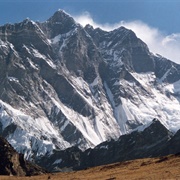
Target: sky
x,y
156,22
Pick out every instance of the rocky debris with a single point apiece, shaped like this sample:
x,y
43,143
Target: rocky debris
x,y
12,163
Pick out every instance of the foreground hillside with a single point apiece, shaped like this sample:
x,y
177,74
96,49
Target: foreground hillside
x,y
12,163
167,167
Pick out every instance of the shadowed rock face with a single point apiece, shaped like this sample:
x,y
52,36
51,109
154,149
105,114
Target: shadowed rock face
x,y
63,85
12,163
154,141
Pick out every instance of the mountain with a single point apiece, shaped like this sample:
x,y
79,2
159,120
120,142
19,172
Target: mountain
x,y
155,141
13,163
63,85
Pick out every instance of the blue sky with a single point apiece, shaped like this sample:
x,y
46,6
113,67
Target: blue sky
x,y
161,16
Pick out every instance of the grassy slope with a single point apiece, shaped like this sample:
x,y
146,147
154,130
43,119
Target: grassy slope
x,y
151,168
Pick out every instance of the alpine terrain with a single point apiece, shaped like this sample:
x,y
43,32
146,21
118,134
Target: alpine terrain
x,y
13,163
64,85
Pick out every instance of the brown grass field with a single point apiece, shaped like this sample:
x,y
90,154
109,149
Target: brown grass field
x,y
150,168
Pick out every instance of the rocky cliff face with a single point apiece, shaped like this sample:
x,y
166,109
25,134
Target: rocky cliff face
x,y
13,163
64,85
154,141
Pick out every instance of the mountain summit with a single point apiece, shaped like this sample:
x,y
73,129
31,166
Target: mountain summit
x,y
63,85
59,23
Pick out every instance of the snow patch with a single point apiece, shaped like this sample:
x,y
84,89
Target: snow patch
x,y
31,134
58,161
14,79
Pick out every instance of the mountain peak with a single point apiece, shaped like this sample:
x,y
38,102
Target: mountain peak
x,y
28,21
59,23
89,26
157,127
61,16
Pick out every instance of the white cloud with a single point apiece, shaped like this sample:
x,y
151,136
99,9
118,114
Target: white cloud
x,y
158,42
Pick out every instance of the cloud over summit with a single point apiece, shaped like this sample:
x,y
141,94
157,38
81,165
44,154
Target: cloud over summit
x,y
158,42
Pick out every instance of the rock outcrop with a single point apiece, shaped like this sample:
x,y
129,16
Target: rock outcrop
x,y
12,163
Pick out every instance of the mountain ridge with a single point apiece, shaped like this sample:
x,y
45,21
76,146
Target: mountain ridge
x,y
63,85
153,141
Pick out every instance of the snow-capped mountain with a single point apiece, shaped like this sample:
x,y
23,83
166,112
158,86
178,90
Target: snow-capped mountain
x,y
63,85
